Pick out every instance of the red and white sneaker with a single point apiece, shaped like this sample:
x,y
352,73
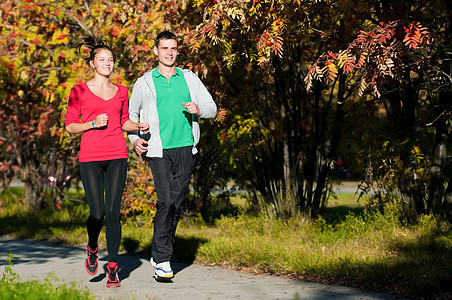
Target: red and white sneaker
x,y
112,275
91,264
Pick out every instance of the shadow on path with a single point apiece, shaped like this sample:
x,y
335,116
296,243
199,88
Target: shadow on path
x,y
35,260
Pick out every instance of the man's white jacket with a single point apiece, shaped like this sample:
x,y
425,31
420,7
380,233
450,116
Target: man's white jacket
x,y
143,108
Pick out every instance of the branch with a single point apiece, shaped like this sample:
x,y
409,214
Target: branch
x,y
318,30
442,114
445,74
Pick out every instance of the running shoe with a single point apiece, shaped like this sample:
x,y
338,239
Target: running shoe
x,y
91,264
163,271
153,263
112,275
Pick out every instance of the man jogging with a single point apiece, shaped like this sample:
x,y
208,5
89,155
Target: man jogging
x,y
171,100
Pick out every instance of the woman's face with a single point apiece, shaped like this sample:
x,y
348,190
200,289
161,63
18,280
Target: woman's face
x,y
103,62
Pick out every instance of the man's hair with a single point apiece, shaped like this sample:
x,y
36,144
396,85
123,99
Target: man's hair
x,y
165,35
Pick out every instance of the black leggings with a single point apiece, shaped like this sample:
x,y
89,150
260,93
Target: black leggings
x,y
104,183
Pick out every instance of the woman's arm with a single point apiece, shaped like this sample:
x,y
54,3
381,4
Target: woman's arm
x,y
133,126
75,128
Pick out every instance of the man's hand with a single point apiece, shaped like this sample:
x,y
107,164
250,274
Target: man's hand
x,y
191,107
144,127
140,146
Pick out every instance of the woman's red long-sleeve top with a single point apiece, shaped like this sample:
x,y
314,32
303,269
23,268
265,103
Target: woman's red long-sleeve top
x,y
99,144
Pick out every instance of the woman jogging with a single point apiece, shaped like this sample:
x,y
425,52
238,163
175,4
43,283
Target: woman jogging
x,y
99,110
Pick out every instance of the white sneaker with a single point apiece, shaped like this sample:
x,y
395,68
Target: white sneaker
x,y
153,263
163,270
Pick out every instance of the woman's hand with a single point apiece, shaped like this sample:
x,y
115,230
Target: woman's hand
x,y
101,121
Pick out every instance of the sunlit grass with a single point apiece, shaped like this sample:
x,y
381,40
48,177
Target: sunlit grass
x,y
373,252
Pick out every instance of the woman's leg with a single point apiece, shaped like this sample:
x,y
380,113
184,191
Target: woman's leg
x,y
115,178
93,183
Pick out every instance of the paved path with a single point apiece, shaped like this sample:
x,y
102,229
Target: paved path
x,y
36,260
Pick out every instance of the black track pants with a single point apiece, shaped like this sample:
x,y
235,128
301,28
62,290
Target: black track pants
x,y
171,178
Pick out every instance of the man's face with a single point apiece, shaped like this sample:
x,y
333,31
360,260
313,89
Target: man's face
x,y
166,52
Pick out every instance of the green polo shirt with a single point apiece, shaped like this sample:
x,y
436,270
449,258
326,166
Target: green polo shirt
x,y
174,120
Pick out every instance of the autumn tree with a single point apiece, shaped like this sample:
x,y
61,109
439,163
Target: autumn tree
x,y
34,79
401,64
283,134
38,67
277,137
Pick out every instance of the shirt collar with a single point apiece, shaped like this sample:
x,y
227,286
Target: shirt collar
x,y
157,74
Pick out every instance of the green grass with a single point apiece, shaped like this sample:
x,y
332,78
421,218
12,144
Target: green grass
x,y
12,288
345,246
369,252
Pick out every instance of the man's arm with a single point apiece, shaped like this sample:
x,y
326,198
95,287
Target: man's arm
x,y
207,107
205,103
135,105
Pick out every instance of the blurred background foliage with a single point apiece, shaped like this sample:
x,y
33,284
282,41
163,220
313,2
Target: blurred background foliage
x,y
310,92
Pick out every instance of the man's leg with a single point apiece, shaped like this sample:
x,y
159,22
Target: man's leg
x,y
161,243
182,170
171,177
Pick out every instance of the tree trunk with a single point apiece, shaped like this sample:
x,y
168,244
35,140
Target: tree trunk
x,y
325,169
438,174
